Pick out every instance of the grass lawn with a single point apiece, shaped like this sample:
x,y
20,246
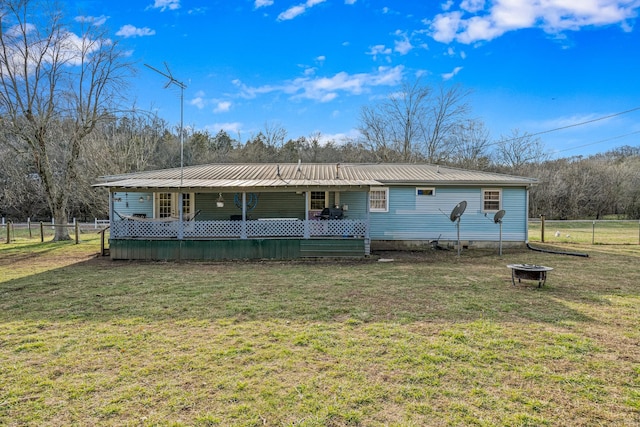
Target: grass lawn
x,y
428,339
587,232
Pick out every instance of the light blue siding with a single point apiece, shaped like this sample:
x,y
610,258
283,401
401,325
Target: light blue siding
x,y
412,217
128,203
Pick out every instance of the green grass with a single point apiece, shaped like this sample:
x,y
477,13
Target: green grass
x,y
587,233
429,339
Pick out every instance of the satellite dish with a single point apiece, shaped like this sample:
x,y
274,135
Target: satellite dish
x,y
457,212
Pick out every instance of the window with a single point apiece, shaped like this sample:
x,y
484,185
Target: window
x,y
426,191
318,200
164,205
186,203
167,204
491,200
379,200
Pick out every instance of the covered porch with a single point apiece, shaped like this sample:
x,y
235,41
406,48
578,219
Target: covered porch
x,y
239,211
209,224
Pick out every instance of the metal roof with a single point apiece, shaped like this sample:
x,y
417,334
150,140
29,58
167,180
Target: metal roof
x,y
296,175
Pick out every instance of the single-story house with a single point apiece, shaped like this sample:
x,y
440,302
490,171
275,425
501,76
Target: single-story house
x,y
286,211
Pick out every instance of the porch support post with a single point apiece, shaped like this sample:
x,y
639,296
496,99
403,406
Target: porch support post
x,y
181,208
111,210
307,233
367,236
243,230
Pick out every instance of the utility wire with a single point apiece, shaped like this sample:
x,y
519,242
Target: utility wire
x,y
599,142
570,126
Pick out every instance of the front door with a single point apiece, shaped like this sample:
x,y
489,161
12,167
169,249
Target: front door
x,y
166,205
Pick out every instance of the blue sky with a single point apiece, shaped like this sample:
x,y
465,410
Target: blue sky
x,y
309,66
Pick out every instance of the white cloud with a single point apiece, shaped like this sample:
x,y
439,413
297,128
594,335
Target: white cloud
x,y
338,138
198,102
222,107
448,76
229,127
477,21
131,31
379,49
262,3
166,4
350,1
93,20
325,89
297,10
445,26
471,5
403,46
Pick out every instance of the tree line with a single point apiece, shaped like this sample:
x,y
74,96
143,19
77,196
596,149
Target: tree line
x,y
64,122
592,187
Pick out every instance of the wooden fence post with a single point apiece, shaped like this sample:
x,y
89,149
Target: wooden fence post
x,y
77,227
41,232
542,228
8,232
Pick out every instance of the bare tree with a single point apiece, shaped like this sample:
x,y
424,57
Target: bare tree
x,y
448,109
55,86
274,134
414,123
470,143
517,150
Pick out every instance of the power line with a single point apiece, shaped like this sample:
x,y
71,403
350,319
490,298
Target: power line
x,y
599,142
570,126
587,122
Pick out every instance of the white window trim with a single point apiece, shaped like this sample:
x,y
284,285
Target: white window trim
x,y
432,189
174,204
386,197
484,190
326,200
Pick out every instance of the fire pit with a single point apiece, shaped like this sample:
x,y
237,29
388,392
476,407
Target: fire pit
x,y
529,272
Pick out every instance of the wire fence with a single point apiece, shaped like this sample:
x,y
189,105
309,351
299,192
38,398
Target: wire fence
x,y
588,232
45,231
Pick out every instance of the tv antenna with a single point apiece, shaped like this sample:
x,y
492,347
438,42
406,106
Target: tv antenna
x,y
173,81
497,219
455,215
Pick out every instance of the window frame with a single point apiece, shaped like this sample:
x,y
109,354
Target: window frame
x,y
385,191
166,204
431,189
485,200
325,200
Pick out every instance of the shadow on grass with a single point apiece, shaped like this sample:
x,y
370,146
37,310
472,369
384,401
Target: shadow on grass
x,y
420,288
